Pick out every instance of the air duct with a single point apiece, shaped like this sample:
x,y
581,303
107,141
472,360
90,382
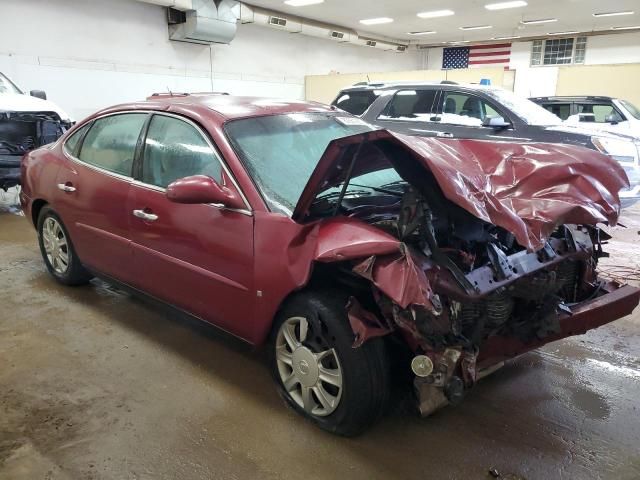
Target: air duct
x,y
207,22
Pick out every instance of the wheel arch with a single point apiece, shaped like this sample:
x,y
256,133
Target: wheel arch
x,y
36,208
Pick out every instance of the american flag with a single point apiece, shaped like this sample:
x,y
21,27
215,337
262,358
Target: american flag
x,y
496,55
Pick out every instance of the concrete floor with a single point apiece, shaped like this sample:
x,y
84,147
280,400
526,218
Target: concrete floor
x,y
95,384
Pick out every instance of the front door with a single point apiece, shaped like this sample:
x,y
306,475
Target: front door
x,y
199,258
461,115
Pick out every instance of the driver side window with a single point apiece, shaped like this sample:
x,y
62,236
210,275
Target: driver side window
x,y
465,110
174,149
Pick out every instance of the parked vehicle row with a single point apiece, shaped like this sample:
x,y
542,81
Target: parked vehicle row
x,y
474,111
344,247
26,122
595,113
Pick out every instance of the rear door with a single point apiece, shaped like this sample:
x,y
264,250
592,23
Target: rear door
x,y
199,258
93,188
412,111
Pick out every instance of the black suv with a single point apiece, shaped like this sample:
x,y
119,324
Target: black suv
x,y
450,110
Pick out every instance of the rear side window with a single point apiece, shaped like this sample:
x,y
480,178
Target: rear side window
x,y
73,142
599,113
411,105
175,149
562,110
355,103
111,142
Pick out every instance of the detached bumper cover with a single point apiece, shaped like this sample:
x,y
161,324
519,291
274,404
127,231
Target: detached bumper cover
x,y
616,302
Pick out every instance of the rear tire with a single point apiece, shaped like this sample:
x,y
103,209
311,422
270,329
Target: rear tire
x,y
57,250
347,389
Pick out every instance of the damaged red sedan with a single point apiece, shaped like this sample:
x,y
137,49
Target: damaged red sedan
x,y
345,248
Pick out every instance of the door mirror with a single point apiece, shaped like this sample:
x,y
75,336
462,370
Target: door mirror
x,y
495,122
202,189
612,119
38,94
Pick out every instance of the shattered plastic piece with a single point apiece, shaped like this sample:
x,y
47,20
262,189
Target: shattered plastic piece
x,y
365,325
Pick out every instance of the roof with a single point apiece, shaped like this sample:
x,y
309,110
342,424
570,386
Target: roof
x,y
573,98
367,86
228,107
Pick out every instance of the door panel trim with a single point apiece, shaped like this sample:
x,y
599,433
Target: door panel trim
x,y
190,266
103,233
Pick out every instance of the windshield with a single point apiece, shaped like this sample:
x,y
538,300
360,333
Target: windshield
x,y
7,86
631,108
280,152
529,112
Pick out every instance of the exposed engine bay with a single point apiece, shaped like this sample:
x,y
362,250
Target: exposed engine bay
x,y
481,284
21,132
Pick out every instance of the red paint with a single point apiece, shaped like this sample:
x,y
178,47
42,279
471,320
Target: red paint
x,y
235,270
529,189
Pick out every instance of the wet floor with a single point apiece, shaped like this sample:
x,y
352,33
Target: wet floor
x,y
95,384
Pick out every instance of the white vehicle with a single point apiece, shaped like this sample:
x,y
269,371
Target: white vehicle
x,y
27,121
595,113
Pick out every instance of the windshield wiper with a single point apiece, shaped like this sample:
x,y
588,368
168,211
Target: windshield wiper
x,y
379,189
330,195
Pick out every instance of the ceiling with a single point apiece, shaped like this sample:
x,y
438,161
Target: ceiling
x,y
571,14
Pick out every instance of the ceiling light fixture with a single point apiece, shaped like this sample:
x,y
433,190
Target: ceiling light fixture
x,y
376,21
571,32
506,38
634,27
477,27
613,14
505,5
302,3
427,32
436,14
541,20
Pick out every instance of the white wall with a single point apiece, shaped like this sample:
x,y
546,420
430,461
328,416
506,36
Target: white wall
x,y
542,80
88,54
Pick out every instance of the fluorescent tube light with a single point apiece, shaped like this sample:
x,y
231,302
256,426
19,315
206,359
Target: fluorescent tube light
x,y
477,27
436,14
613,14
505,5
376,21
541,20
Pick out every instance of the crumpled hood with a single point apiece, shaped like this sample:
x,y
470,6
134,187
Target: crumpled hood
x,y
13,102
529,189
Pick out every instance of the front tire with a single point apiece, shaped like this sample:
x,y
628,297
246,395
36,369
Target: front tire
x,y
342,389
57,250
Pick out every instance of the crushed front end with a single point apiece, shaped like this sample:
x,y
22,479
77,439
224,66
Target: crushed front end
x,y
21,132
496,254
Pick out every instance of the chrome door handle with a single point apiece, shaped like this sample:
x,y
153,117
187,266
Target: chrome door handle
x,y
66,188
150,217
444,134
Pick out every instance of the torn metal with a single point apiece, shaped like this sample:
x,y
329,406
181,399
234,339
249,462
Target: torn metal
x,y
483,251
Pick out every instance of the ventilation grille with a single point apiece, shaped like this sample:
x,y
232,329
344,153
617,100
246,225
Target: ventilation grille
x,y
336,34
281,22
401,48
371,43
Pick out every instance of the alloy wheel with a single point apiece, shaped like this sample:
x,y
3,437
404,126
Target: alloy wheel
x,y
56,246
309,369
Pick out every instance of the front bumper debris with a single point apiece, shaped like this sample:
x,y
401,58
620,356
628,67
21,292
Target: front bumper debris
x,y
613,301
